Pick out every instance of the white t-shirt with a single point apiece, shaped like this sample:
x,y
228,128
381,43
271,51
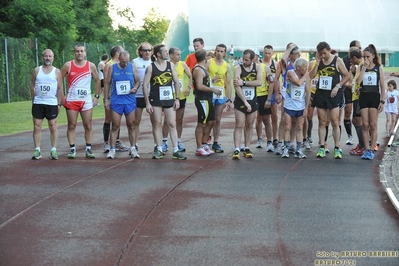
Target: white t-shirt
x,y
141,66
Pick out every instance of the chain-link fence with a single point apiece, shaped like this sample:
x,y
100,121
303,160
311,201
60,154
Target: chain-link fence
x,y
18,58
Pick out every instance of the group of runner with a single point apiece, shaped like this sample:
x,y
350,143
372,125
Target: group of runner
x,y
150,81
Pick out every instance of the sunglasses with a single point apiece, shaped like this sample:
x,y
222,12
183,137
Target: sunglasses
x,y
146,50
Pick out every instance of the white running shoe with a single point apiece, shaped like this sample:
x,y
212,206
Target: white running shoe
x,y
111,154
134,153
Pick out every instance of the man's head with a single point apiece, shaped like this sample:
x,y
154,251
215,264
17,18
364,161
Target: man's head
x,y
80,52
174,54
220,51
268,52
160,52
324,49
48,57
124,58
144,51
200,55
115,50
198,43
247,57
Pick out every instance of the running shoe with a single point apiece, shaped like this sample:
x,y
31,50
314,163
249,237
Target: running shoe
x,y
137,147
106,147
355,148
178,156
357,152
164,146
120,147
259,144
236,155
72,154
371,155
321,153
157,155
326,148
350,140
368,155
201,152
36,155
209,141
279,149
217,148
248,153
181,147
337,154
291,148
242,149
310,140
89,154
275,142
206,148
299,154
111,154
306,144
134,153
270,147
286,153
53,155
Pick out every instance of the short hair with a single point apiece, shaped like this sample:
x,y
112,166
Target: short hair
x,y
323,45
115,49
124,54
353,43
355,52
250,52
200,40
173,49
104,57
300,62
79,45
200,55
393,83
140,48
221,45
268,47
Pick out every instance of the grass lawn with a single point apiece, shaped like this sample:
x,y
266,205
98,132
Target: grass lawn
x,y
16,117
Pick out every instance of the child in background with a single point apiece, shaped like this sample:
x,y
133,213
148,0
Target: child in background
x,y
391,107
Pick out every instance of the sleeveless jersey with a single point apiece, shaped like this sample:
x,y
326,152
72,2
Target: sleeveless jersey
x,y
328,75
180,74
313,84
141,66
263,90
295,99
100,71
122,83
79,80
249,91
273,74
161,93
46,86
221,71
288,67
355,86
203,95
371,80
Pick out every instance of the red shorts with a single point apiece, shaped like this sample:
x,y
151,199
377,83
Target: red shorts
x,y
78,105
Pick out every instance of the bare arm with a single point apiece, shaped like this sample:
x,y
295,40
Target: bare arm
x,y
33,83
136,79
190,78
147,77
382,89
227,82
107,87
60,87
293,78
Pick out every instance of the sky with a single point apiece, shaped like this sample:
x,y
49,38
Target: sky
x,y
140,8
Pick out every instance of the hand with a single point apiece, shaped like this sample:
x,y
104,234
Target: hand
x,y
278,98
334,92
187,91
380,107
249,108
217,92
95,101
216,79
237,82
149,109
229,106
268,103
107,105
176,104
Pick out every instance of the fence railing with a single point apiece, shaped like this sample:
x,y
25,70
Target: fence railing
x,y
18,58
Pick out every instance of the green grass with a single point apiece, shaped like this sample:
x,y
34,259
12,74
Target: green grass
x,y
16,117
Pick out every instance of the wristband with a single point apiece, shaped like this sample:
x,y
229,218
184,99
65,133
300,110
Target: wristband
x,y
97,96
382,101
229,101
177,99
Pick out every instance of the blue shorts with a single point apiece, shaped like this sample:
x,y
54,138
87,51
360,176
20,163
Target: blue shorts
x,y
293,113
218,101
273,99
123,108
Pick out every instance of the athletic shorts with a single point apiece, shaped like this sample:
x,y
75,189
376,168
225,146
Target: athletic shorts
x,y
140,102
323,100
273,99
79,105
183,103
216,101
348,94
41,111
356,108
206,110
102,83
369,100
240,106
261,101
125,108
293,113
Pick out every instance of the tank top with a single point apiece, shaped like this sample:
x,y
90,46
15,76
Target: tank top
x,y
203,95
161,93
221,71
295,99
249,92
122,83
371,80
79,80
180,74
46,86
273,74
141,66
263,89
328,75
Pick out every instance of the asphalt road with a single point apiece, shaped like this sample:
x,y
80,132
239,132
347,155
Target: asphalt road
x,y
202,211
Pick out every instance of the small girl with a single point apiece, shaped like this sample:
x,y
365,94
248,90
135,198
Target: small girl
x,y
391,107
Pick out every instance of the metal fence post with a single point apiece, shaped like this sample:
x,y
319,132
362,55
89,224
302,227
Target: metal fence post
x,y
37,53
7,78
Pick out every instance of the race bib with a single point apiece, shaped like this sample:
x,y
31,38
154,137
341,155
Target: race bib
x,y
370,79
298,94
325,83
222,96
314,83
249,93
81,93
43,88
165,93
122,87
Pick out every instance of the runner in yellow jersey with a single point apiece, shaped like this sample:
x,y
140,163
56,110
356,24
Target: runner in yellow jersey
x,y
181,69
220,71
309,121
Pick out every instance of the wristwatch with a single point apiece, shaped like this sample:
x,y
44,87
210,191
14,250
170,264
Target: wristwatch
x,y
229,101
244,83
338,86
97,96
382,101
